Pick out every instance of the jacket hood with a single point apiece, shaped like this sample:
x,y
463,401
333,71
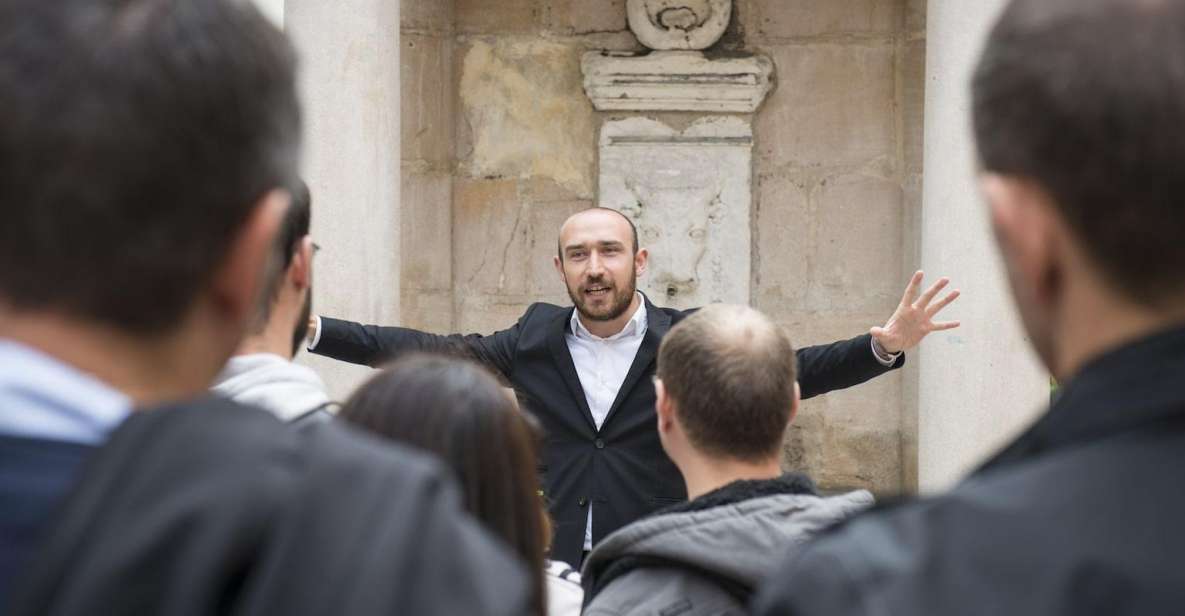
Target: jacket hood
x,y
269,381
737,542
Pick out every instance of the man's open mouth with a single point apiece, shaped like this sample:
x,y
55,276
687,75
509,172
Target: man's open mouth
x,y
597,291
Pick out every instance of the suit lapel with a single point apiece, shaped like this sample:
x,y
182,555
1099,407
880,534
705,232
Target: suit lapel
x,y
563,362
657,325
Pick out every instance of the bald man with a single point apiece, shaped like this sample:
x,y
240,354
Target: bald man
x,y
586,371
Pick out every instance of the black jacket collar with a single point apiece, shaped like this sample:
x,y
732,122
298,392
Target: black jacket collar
x,y
1138,386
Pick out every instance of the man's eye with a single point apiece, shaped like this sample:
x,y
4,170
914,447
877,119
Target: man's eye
x,y
576,255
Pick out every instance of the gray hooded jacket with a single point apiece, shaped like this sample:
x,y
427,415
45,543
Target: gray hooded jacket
x,y
706,556
289,390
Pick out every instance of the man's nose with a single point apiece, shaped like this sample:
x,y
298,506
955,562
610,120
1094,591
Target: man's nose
x,y
596,267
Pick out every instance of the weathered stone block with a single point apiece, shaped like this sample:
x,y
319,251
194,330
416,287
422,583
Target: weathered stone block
x,y
526,112
913,103
426,15
834,105
506,237
915,16
585,16
425,310
858,457
426,229
858,255
785,19
501,17
784,239
427,101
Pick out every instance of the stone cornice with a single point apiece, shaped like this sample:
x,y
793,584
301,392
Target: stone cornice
x,y
676,81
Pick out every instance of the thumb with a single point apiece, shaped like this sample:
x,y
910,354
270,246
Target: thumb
x,y
877,331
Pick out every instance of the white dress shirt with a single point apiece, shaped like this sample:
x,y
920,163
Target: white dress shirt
x,y
45,398
601,364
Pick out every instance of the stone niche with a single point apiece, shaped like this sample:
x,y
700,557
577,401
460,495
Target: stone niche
x,y
688,192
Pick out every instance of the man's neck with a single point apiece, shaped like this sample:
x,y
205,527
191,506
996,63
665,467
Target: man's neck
x,y
273,339
150,371
1096,323
703,475
605,329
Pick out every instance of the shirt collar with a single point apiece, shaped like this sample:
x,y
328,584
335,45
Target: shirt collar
x,y
45,398
636,326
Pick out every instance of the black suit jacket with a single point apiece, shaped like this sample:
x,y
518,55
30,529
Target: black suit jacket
x,y
621,469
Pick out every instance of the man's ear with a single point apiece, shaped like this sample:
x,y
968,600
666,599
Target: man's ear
x,y
236,286
559,268
663,407
1024,220
300,271
641,260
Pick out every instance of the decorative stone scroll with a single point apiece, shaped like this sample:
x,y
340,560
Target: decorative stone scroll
x,y
676,81
688,192
679,24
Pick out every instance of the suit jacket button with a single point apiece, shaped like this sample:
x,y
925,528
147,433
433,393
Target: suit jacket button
x,y
600,444
583,502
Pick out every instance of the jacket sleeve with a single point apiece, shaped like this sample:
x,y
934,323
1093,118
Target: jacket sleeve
x,y
373,345
839,365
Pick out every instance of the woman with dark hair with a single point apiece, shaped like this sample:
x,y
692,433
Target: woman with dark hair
x,y
457,410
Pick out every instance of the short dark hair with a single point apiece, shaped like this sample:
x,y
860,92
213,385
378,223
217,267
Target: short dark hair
x,y
457,410
1087,99
137,137
730,372
294,227
633,228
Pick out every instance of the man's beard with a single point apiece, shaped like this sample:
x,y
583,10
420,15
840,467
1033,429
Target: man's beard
x,y
301,331
617,307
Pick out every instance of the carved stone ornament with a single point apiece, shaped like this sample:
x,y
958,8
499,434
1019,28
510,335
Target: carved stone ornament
x,y
676,81
679,24
689,194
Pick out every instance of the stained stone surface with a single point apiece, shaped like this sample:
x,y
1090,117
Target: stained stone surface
x,y
678,24
688,192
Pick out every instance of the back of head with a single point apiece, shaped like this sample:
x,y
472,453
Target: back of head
x,y
137,137
1087,99
458,411
731,374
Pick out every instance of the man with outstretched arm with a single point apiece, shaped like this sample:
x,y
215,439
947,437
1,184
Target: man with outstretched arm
x,y
585,371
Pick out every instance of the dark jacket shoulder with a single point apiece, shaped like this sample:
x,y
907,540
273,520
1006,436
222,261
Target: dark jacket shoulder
x,y
226,509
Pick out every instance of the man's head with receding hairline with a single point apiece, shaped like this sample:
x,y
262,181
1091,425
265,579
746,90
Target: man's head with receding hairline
x,y
726,386
599,261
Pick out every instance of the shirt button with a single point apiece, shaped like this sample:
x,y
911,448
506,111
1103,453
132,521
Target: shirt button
x,y
600,444
583,502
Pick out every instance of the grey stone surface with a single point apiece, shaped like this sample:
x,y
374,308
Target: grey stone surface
x,y
350,86
981,384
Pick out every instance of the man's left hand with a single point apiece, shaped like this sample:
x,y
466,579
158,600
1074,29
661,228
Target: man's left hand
x,y
914,318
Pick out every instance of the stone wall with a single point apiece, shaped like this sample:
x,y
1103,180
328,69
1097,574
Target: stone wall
x,y
427,97
499,137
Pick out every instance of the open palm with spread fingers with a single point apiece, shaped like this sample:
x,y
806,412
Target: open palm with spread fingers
x,y
914,318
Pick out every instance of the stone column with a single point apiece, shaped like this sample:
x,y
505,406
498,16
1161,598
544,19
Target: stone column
x,y
980,384
349,79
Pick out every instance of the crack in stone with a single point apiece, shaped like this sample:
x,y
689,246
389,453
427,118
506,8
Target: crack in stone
x,y
510,242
